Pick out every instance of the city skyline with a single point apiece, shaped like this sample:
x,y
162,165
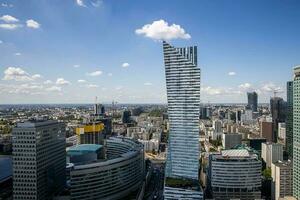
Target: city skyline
x,y
111,49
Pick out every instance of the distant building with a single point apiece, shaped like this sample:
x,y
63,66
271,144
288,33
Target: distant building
x,y
282,133
90,133
205,112
271,153
256,143
282,175
217,125
238,115
252,101
266,130
39,160
234,174
126,117
289,121
296,133
99,109
247,116
150,145
230,140
279,113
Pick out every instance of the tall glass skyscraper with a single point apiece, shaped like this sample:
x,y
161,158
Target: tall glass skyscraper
x,y
252,101
289,121
183,93
296,133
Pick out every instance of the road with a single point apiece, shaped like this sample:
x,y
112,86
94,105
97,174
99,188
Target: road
x,y
156,184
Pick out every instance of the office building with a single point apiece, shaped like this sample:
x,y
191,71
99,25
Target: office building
x,y
90,133
296,133
266,130
247,116
271,153
231,140
39,159
126,117
234,174
150,145
282,134
252,101
256,143
99,109
282,175
218,126
289,120
183,94
238,115
107,179
279,112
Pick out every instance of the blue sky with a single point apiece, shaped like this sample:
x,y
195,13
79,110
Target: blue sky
x,y
47,46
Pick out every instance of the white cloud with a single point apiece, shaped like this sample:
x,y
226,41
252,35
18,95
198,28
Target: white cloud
x,y
17,74
97,3
95,73
245,86
109,74
54,89
18,54
6,5
81,81
76,66
92,86
62,81
32,24
211,91
1,41
125,65
148,84
232,73
36,76
161,30
80,3
8,19
10,26
270,87
48,82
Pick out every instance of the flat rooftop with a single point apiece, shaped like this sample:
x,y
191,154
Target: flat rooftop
x,y
236,153
35,123
83,148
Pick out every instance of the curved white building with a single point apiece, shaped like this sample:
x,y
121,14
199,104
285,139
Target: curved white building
x,y
114,178
235,174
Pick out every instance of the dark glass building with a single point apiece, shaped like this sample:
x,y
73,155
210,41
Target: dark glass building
x,y
279,113
252,101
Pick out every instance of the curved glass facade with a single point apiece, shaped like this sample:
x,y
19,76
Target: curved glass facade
x,y
114,178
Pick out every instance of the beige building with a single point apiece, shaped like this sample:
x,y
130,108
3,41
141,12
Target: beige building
x,y
282,175
271,152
